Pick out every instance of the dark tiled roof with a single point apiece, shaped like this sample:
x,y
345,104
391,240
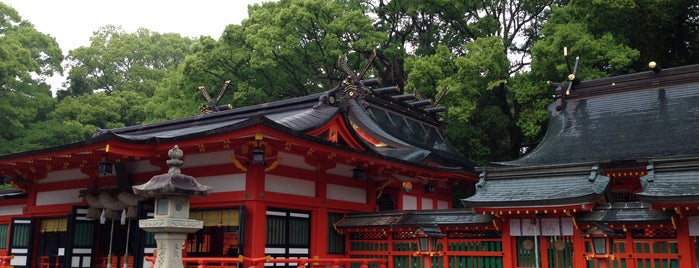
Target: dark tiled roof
x,y
299,115
414,218
538,186
671,181
635,212
629,117
296,114
12,193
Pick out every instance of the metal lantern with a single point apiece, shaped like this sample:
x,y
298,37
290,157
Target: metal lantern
x,y
105,167
358,173
258,156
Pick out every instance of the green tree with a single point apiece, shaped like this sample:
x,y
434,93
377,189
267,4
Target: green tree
x,y
27,58
285,49
481,123
602,52
120,61
113,81
665,31
475,49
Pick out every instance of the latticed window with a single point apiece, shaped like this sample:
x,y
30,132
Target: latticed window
x,y
21,236
654,233
4,228
288,234
368,236
336,241
474,234
84,232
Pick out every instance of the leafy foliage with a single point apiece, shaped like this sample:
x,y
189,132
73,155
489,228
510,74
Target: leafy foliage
x,y
491,56
284,49
27,58
116,60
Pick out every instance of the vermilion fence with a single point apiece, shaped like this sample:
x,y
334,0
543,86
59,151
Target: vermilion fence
x,y
209,262
5,261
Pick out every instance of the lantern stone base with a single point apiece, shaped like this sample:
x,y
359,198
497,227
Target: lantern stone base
x,y
170,235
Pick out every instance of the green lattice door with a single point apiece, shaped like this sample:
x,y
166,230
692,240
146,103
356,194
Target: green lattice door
x,y
560,251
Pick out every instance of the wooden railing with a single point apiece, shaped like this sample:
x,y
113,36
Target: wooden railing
x,y
47,261
253,262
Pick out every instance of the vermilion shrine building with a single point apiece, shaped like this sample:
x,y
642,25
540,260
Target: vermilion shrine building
x,y
366,172
282,173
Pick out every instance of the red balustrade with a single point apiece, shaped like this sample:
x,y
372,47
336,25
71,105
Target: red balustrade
x,y
227,262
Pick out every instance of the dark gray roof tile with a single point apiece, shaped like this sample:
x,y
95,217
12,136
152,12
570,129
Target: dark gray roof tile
x,y
543,186
623,118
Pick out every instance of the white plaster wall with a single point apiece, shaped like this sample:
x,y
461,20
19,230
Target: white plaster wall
x,y
442,204
224,183
279,184
207,159
409,202
11,210
342,170
297,161
346,193
58,197
142,166
63,175
426,203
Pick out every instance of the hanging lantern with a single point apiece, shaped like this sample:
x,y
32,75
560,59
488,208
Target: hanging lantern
x,y
407,186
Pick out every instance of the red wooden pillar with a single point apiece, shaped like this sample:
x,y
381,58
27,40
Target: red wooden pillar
x,y
685,246
389,262
579,249
509,249
319,233
371,194
543,250
256,213
319,217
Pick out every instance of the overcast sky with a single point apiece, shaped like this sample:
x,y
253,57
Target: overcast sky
x,y
72,22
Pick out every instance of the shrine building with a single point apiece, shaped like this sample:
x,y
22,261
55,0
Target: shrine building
x,y
365,171
614,183
281,173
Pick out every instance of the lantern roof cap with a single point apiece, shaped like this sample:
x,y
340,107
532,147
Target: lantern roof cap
x,y
173,182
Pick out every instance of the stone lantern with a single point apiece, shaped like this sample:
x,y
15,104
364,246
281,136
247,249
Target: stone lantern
x,y
171,222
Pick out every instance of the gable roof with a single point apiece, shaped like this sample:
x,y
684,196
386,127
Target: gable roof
x,y
629,117
359,106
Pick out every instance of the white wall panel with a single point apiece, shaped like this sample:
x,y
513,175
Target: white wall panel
x,y
58,197
11,210
427,203
279,184
346,193
63,175
442,204
142,166
224,183
207,159
409,202
342,170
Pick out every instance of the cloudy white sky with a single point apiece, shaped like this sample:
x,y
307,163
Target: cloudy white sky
x,y
72,22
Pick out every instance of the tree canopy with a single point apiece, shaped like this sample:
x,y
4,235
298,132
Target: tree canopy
x,y
493,58
27,58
